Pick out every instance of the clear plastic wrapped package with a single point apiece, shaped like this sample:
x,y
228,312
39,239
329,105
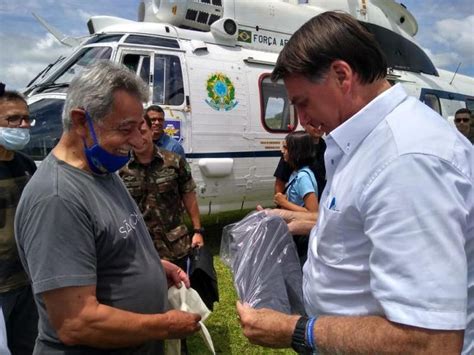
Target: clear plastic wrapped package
x,y
262,255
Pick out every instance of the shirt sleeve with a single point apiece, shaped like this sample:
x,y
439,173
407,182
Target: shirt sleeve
x,y
178,149
58,244
185,179
306,183
416,213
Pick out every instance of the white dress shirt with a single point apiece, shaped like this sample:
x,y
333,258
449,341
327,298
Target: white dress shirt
x,y
396,220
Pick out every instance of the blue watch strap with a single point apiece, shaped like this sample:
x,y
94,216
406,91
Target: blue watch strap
x,y
310,334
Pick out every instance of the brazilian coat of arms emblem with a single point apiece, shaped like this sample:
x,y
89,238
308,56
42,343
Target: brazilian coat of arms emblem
x,y
220,92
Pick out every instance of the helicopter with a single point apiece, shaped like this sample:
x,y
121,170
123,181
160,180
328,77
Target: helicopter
x,y
208,63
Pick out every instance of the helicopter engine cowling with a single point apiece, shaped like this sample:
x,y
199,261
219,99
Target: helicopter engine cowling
x,y
184,14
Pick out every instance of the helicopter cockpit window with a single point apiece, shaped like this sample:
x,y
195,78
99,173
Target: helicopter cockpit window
x,y
48,128
167,80
165,75
159,81
102,38
138,63
277,114
152,41
86,57
432,101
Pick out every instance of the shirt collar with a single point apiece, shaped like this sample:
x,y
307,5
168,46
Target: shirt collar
x,y
352,132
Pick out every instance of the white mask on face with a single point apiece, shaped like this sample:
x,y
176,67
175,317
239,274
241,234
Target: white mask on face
x,y
14,138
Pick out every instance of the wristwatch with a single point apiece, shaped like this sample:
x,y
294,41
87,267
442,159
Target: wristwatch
x,y
199,230
298,339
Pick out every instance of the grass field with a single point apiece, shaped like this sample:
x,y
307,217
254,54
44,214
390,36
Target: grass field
x,y
222,323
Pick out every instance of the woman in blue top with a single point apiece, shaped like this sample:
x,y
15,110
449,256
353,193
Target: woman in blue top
x,y
298,152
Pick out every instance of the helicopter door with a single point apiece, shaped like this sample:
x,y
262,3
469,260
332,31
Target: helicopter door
x,y
163,74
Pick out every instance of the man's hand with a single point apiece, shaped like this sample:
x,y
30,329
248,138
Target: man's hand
x,y
279,199
285,214
299,223
197,241
182,324
175,275
267,327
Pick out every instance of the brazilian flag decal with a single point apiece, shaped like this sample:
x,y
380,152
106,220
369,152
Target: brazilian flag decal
x,y
245,36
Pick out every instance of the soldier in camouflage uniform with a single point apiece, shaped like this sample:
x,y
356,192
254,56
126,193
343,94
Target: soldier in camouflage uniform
x,y
16,299
162,186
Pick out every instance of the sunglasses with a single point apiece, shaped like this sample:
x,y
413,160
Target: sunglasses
x,y
16,120
464,120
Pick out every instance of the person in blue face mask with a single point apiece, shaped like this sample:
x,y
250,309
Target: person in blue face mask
x,y
97,278
16,299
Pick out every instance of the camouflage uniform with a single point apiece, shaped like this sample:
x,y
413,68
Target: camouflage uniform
x,y
157,188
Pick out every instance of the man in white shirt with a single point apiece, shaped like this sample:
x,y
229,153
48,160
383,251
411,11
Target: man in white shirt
x,y
390,266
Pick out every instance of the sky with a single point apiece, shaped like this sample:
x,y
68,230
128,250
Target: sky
x,y
446,32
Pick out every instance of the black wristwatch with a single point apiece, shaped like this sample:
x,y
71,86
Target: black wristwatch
x,y
199,230
298,340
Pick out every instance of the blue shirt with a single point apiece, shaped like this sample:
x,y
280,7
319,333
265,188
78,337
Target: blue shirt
x,y
395,232
168,143
301,183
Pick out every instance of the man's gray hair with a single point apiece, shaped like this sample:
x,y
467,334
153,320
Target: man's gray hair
x,y
93,90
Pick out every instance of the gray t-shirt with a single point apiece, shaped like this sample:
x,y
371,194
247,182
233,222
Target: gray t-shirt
x,y
75,229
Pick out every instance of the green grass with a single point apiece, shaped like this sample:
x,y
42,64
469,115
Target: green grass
x,y
222,324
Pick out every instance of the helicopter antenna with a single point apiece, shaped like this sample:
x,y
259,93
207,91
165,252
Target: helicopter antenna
x,y
455,73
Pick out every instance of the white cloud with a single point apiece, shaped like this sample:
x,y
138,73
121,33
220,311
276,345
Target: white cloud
x,y
26,47
455,40
446,29
84,15
25,57
443,59
456,33
46,43
19,75
25,7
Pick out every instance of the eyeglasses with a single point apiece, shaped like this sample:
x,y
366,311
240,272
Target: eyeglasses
x,y
464,120
16,120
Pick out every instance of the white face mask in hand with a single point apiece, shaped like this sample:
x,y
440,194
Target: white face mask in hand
x,y
14,138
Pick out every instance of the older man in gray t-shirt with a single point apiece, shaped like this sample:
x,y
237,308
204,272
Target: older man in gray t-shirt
x,y
98,282
81,230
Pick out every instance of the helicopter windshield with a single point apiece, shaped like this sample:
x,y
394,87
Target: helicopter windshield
x,y
84,58
45,71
